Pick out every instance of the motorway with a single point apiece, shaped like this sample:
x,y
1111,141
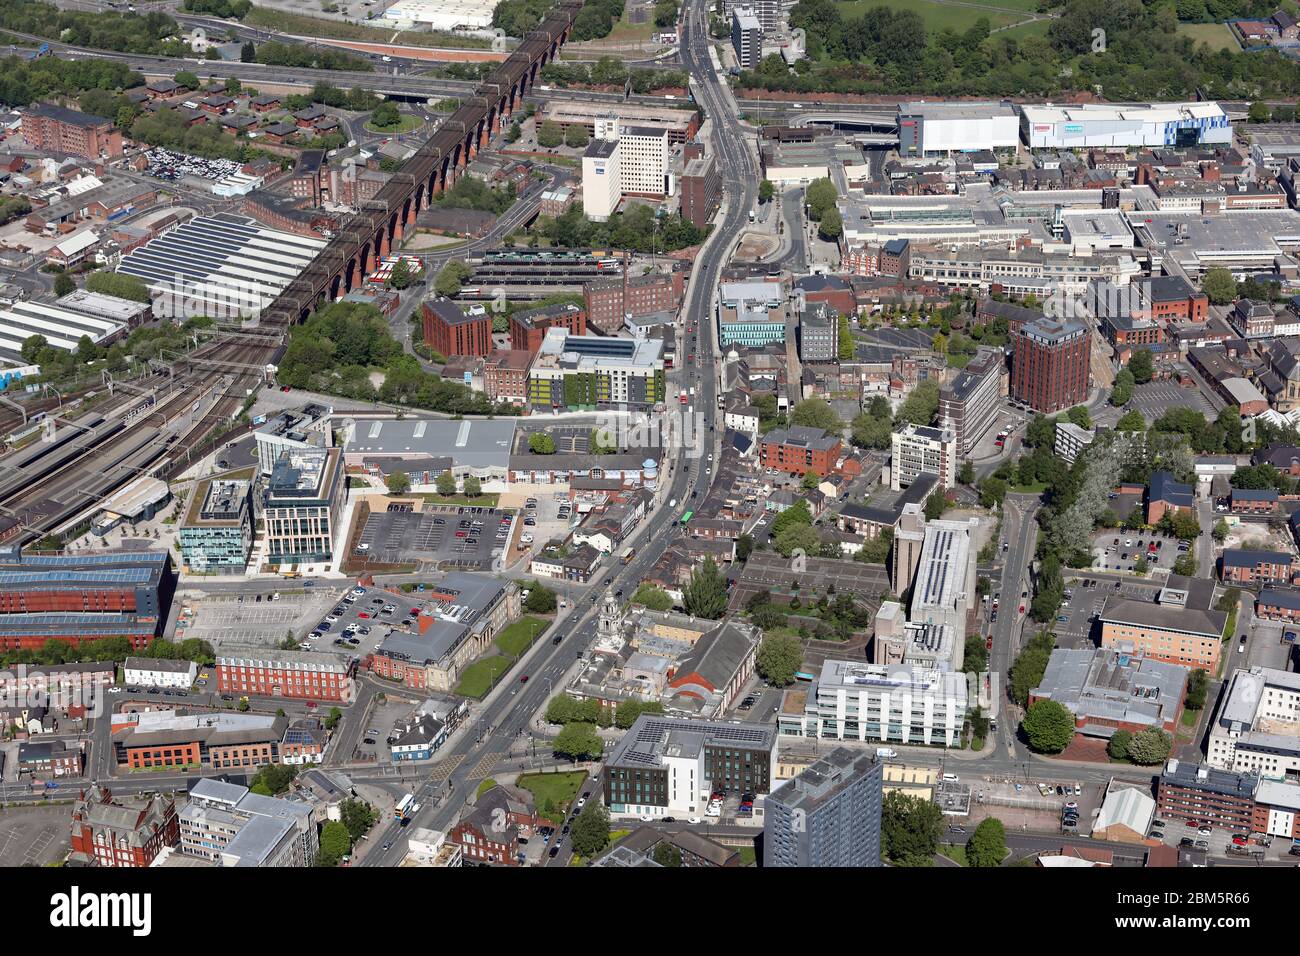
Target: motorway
x,y
509,710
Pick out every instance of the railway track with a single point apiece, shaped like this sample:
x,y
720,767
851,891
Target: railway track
x,y
42,495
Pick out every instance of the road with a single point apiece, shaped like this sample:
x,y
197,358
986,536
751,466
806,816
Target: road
x,y
509,710
1019,530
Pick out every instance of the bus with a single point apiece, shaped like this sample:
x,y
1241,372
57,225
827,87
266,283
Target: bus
x,y
688,516
403,808
627,555
803,675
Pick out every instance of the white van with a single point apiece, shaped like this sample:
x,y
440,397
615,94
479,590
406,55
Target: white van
x,y
886,752
950,778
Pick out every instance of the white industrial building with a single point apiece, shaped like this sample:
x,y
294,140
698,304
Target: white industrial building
x,y
445,15
898,703
940,129
61,328
220,266
1105,126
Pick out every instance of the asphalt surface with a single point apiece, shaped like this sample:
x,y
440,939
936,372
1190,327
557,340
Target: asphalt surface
x,y
509,710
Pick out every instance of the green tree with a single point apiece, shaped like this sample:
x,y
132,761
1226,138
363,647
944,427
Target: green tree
x,y
400,277
248,53
654,598
831,226
187,79
921,405
335,844
987,846
1141,365
590,831
1049,727
575,135
32,348
966,474
1030,665
810,481
540,600
1220,531
472,486
550,135
1149,747
706,595
449,280
385,115
399,482
1219,285
816,413
936,504
779,657
1079,416
63,284
358,817
514,132
332,721
845,346
766,191
540,443
1258,112
1117,748
578,741
446,484
821,196
1131,422
910,828
1198,683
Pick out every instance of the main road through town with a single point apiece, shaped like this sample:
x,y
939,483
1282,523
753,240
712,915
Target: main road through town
x,y
509,711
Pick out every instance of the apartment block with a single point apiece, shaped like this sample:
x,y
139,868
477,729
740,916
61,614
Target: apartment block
x,y
798,450
1049,369
602,183
1171,633
829,815
295,675
447,329
968,405
920,449
701,187
669,766
216,534
588,371
229,825
528,326
303,498
1205,796
56,129
608,301
1256,728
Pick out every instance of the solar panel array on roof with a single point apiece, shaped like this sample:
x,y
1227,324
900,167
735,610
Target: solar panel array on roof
x,y
220,264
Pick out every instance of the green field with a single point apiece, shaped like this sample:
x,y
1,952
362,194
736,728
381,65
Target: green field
x,y
938,14
1217,35
515,639
476,680
404,125
556,789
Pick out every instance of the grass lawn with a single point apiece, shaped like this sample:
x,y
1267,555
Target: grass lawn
x,y
405,124
482,501
515,639
559,788
955,853
1191,718
1037,488
476,680
484,787
936,16
748,856
1216,35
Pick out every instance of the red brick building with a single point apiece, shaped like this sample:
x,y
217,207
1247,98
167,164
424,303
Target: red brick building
x,y
505,375
59,597
701,190
528,327
489,832
1206,796
609,300
127,834
798,450
304,675
1049,370
450,331
56,129
1242,566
